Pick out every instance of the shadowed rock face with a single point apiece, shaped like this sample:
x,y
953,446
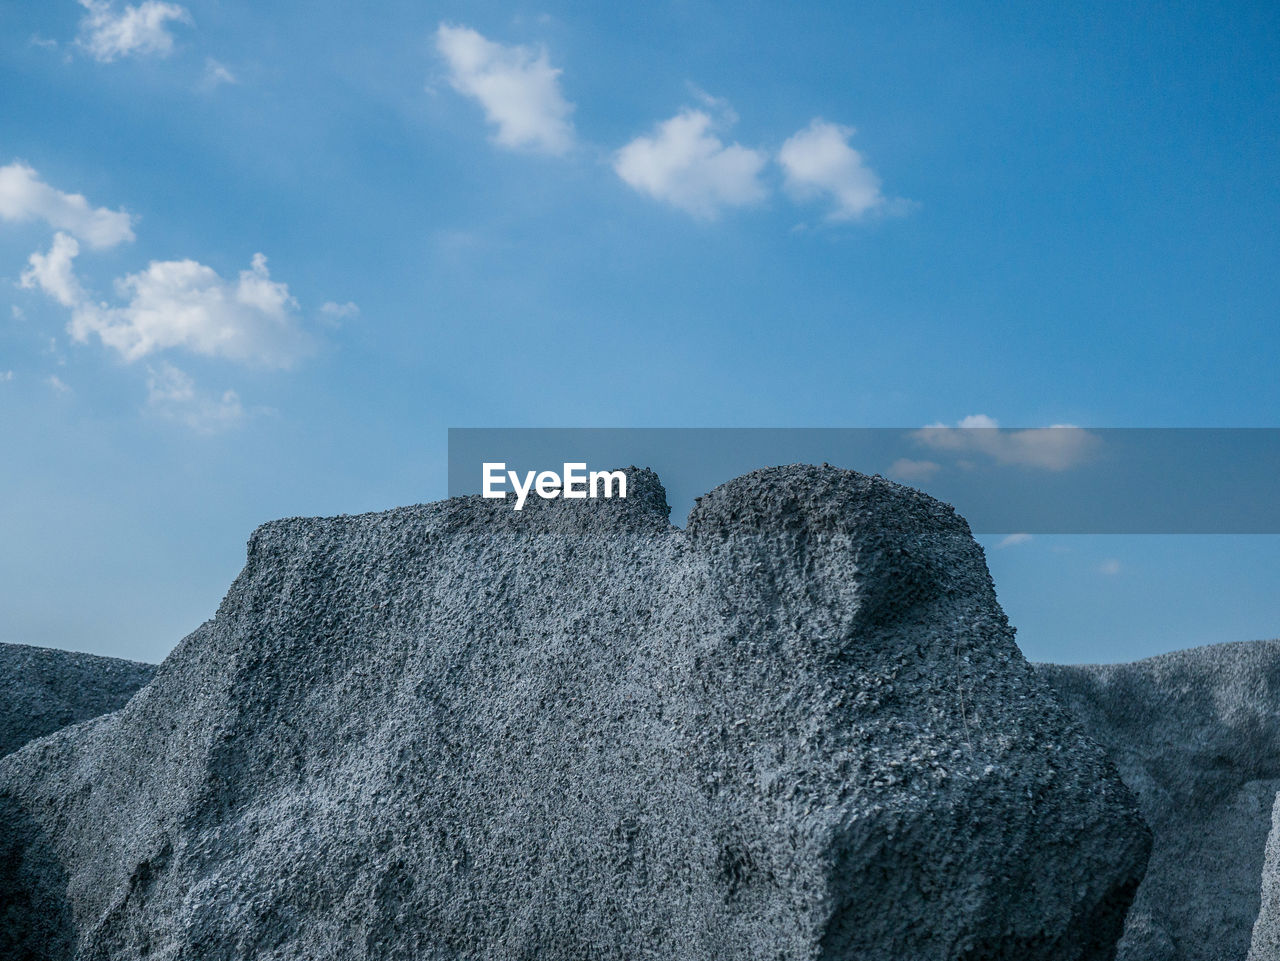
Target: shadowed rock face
x,y
42,689
1196,735
798,729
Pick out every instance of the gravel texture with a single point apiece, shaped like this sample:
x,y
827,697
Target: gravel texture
x,y
42,689
798,729
1196,735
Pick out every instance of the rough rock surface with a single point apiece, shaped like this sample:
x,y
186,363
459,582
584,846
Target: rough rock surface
x,y
1266,930
1196,735
798,729
42,689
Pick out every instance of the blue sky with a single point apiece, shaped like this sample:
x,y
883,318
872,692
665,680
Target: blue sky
x,y
680,214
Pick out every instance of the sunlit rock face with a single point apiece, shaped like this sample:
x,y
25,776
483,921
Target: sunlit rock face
x,y
798,728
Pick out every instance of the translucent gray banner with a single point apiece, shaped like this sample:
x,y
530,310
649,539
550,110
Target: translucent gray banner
x,y
1052,480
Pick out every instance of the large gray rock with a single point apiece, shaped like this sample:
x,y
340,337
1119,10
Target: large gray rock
x,y
42,689
1266,930
1196,734
799,729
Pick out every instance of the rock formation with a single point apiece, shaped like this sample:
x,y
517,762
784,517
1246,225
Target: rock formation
x,y
1196,735
799,728
42,689
1266,930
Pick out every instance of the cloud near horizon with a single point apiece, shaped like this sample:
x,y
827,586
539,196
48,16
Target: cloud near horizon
x,y
516,85
906,469
1055,448
24,197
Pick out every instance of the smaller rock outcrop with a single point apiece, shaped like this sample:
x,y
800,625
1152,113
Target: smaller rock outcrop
x,y
1196,736
43,689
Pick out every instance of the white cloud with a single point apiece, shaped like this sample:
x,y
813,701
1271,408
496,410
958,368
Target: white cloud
x,y
107,34
1110,567
516,85
216,74
182,303
54,272
6,376
1055,448
686,165
1014,540
179,304
58,384
818,161
25,197
173,394
908,470
334,313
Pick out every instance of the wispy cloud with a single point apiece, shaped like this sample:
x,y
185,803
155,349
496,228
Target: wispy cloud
x,y
684,163
906,469
25,197
178,304
216,75
516,85
818,162
173,394
334,314
1014,540
1110,567
107,33
58,384
1055,448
